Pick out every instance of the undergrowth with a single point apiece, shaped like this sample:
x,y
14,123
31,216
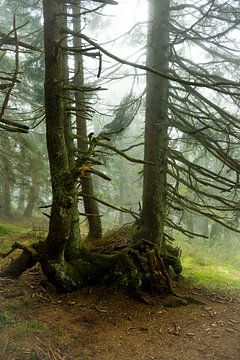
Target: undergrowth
x,y
214,265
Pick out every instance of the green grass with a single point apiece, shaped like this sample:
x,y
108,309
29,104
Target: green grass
x,y
28,327
213,266
10,228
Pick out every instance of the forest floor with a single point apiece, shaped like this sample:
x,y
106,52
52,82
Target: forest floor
x,y
103,323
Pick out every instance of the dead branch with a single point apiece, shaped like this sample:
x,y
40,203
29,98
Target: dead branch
x,y
214,86
121,209
123,154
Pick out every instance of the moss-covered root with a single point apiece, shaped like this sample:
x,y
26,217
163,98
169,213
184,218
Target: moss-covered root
x,y
159,279
63,275
92,268
133,270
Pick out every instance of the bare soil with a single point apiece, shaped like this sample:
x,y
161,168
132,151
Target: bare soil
x,y
103,323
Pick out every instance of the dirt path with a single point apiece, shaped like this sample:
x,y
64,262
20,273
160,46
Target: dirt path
x,y
105,324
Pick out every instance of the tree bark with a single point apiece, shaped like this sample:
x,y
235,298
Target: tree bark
x,y
64,190
90,205
156,125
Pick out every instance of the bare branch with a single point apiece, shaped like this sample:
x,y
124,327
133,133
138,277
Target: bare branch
x,y
122,153
121,209
215,86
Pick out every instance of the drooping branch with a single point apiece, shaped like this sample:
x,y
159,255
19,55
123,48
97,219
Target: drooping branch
x,y
217,86
13,125
123,154
121,209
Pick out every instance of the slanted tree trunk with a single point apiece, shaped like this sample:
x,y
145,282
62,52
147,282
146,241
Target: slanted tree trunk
x,y
156,125
121,192
90,204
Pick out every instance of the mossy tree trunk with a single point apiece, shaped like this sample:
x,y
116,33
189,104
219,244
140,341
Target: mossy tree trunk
x,y
156,125
64,191
90,205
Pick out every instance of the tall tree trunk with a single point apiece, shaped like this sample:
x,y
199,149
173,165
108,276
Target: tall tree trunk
x,y
90,205
64,190
156,125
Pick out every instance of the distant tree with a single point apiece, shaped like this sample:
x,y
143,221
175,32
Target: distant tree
x,y
7,177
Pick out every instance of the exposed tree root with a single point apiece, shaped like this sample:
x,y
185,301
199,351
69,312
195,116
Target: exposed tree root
x,y
140,269
17,267
25,261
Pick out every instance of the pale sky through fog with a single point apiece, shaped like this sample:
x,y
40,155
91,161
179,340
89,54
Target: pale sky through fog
x,y
126,14
119,19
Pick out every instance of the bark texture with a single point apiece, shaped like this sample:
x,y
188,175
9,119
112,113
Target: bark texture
x,y
156,124
63,184
90,205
